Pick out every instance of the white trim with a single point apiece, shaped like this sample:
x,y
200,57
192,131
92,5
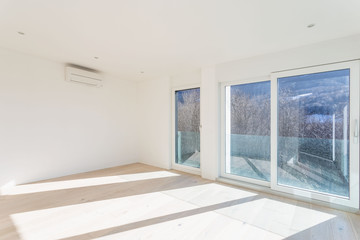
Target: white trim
x,y
273,133
175,165
187,169
184,87
264,189
222,129
354,67
227,162
245,179
246,81
225,122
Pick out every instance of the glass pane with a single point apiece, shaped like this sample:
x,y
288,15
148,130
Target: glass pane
x,y
187,114
313,132
248,130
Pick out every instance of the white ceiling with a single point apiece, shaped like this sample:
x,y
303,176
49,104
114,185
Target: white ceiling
x,y
167,37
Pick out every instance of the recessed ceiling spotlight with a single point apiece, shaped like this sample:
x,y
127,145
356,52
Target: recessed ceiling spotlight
x,y
21,33
311,25
96,58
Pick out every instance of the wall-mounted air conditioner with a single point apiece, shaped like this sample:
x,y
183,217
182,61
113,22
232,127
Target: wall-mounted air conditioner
x,y
80,76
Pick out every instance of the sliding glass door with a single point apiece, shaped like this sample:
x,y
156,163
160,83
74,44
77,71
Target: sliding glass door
x,y
187,128
248,131
312,125
315,131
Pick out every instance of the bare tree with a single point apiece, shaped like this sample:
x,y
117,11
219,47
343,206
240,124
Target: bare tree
x,y
250,115
188,111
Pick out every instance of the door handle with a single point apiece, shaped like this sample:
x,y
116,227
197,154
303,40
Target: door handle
x,y
356,132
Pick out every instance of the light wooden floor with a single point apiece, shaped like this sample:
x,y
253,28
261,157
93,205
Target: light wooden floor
x,y
143,202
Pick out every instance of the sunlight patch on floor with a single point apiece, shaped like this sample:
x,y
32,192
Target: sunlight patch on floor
x,y
67,221
207,194
6,186
61,222
85,182
209,226
277,216
200,210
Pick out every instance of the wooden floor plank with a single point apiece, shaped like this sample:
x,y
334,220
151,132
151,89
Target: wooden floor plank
x,y
171,206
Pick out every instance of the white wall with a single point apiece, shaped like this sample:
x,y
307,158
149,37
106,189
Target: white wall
x,y
209,138
186,79
154,138
50,127
337,50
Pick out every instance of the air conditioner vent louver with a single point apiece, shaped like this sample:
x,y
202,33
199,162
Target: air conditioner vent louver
x,y
80,76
